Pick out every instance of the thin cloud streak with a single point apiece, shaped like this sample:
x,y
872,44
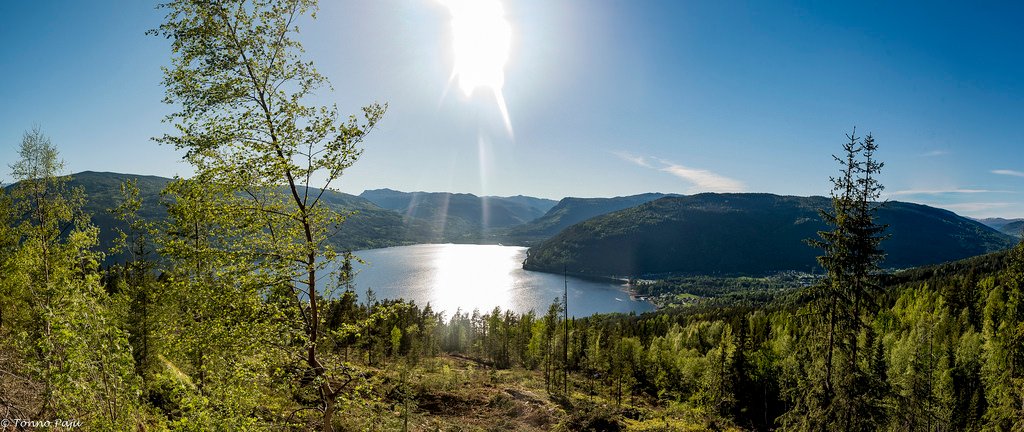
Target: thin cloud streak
x,y
638,160
935,153
973,206
702,180
1008,172
942,192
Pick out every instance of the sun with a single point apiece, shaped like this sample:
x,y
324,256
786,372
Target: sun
x,y
481,41
482,38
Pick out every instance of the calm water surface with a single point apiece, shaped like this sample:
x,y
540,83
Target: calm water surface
x,y
453,276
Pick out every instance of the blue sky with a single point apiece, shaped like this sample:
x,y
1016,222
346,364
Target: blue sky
x,y
605,97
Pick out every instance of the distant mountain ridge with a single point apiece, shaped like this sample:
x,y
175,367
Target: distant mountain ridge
x,y
103,192
998,222
639,234
1013,227
368,226
570,211
461,209
746,234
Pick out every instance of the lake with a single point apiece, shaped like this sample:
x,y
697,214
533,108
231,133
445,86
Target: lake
x,y
453,276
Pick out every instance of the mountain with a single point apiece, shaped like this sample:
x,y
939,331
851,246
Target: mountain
x,y
542,204
462,210
1015,228
570,211
103,192
998,223
747,234
368,225
1012,227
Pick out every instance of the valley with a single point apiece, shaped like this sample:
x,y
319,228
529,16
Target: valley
x,y
640,236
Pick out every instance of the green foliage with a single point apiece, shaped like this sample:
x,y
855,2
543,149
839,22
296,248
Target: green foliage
x,y
74,355
587,417
1003,332
844,302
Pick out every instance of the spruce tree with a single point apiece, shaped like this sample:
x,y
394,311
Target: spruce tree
x,y
844,302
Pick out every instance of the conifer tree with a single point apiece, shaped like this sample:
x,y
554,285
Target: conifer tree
x,y
844,302
1003,371
136,279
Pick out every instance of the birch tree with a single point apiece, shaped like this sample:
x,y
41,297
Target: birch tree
x,y
246,123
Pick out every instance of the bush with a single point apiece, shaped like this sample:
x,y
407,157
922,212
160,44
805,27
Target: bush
x,y
588,417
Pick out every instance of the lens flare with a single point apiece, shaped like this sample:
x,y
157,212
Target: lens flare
x,y
482,38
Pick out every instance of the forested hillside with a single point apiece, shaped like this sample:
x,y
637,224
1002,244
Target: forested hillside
x,y
570,211
1007,226
747,234
460,209
102,193
365,226
1015,229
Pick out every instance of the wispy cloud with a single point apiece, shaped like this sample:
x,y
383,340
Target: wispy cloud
x,y
701,179
973,207
639,160
1008,172
942,192
935,153
704,180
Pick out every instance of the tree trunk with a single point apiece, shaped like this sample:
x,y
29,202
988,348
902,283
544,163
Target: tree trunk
x,y
329,398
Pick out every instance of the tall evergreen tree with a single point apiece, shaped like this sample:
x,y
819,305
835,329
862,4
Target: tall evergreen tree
x,y
844,302
136,283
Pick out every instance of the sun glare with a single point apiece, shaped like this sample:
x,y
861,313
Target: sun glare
x,y
481,41
475,277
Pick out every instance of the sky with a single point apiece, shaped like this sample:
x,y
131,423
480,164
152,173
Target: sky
x,y
603,97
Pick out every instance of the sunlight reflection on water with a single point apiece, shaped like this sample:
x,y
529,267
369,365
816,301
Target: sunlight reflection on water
x,y
467,277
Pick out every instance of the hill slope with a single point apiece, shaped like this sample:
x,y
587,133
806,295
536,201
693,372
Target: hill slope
x,y
1011,227
746,234
368,227
542,204
997,223
460,209
570,211
103,192
1014,228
